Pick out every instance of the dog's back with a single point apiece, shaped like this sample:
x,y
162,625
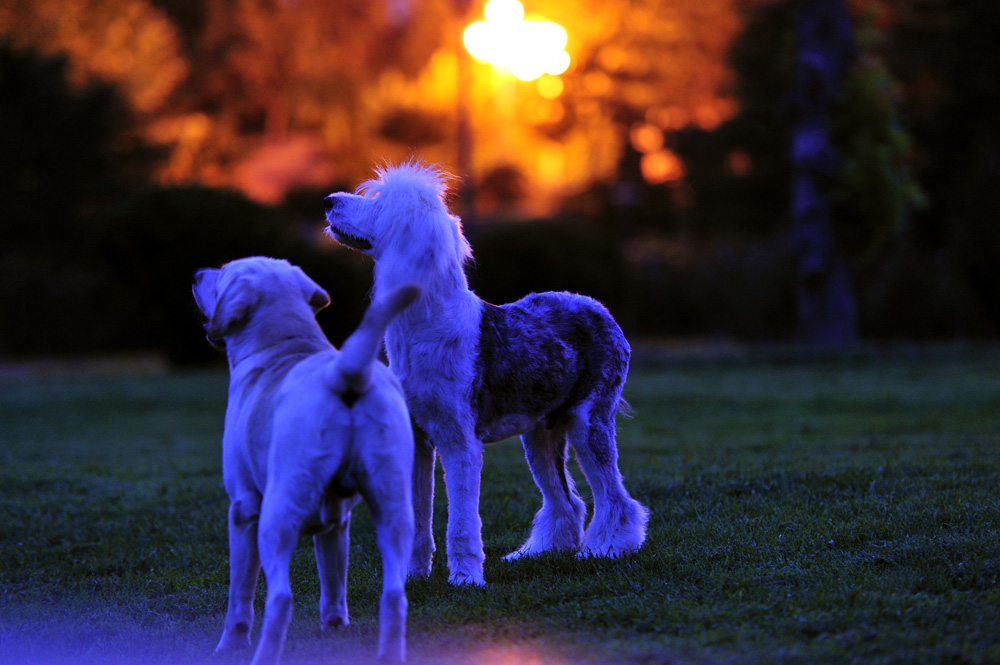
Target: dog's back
x,y
365,395
543,354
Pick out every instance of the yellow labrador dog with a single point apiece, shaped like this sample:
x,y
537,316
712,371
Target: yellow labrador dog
x,y
308,431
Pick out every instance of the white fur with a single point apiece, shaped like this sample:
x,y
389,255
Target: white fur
x,y
465,389
308,430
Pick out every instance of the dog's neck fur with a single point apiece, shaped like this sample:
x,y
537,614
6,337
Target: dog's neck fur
x,y
296,334
436,279
445,301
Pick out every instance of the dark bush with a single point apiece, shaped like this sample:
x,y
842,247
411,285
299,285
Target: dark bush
x,y
741,292
153,243
919,295
67,152
653,288
516,258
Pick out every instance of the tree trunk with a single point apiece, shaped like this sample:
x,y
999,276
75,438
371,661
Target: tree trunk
x,y
827,311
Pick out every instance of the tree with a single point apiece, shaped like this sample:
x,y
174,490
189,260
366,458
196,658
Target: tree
x,y
947,57
876,189
822,153
826,302
739,172
67,153
642,71
128,42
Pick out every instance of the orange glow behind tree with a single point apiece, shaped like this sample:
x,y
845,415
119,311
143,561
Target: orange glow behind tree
x,y
310,90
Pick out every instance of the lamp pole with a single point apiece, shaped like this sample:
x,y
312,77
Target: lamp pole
x,y
463,132
524,49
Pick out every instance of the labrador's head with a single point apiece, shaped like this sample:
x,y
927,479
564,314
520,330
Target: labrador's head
x,y
229,296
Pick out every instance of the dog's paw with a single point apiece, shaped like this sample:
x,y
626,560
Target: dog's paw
x,y
471,579
333,624
333,617
237,637
418,570
519,553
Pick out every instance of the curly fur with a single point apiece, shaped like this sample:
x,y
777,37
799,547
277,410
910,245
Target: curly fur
x,y
549,367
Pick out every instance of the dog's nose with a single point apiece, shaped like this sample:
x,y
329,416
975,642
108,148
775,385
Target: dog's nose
x,y
331,202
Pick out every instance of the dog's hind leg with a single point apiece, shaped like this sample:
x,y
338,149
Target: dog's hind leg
x,y
559,522
391,506
244,568
332,550
619,522
394,531
276,539
424,458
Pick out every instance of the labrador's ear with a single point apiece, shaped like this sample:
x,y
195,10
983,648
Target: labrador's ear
x,y
314,294
231,308
319,299
204,290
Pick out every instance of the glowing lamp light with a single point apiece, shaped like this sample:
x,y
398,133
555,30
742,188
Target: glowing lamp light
x,y
528,49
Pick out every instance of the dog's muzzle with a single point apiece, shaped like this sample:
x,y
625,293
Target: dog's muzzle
x,y
333,204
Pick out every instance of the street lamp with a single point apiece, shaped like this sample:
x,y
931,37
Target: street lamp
x,y
528,49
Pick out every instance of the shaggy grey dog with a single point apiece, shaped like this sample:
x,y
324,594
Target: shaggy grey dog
x,y
550,368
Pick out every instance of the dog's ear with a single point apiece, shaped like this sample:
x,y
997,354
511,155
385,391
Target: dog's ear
x,y
314,294
204,290
231,308
319,299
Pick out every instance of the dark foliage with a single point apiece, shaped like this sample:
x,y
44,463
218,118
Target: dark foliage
x,y
515,259
66,153
95,258
748,199
154,242
67,150
916,294
916,124
735,291
947,58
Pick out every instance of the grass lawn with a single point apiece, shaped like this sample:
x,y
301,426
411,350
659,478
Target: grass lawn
x,y
805,509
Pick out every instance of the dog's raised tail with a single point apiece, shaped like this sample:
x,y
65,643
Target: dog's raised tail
x,y
351,372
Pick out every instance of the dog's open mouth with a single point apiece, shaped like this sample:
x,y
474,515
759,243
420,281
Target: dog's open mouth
x,y
348,239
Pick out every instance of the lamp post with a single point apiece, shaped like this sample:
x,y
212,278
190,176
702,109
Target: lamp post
x,y
463,148
525,49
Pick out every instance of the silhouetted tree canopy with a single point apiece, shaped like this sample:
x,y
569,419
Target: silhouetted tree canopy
x,y
68,150
110,110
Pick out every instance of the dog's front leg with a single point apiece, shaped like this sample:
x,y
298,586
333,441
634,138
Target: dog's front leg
x,y
244,568
463,464
423,504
